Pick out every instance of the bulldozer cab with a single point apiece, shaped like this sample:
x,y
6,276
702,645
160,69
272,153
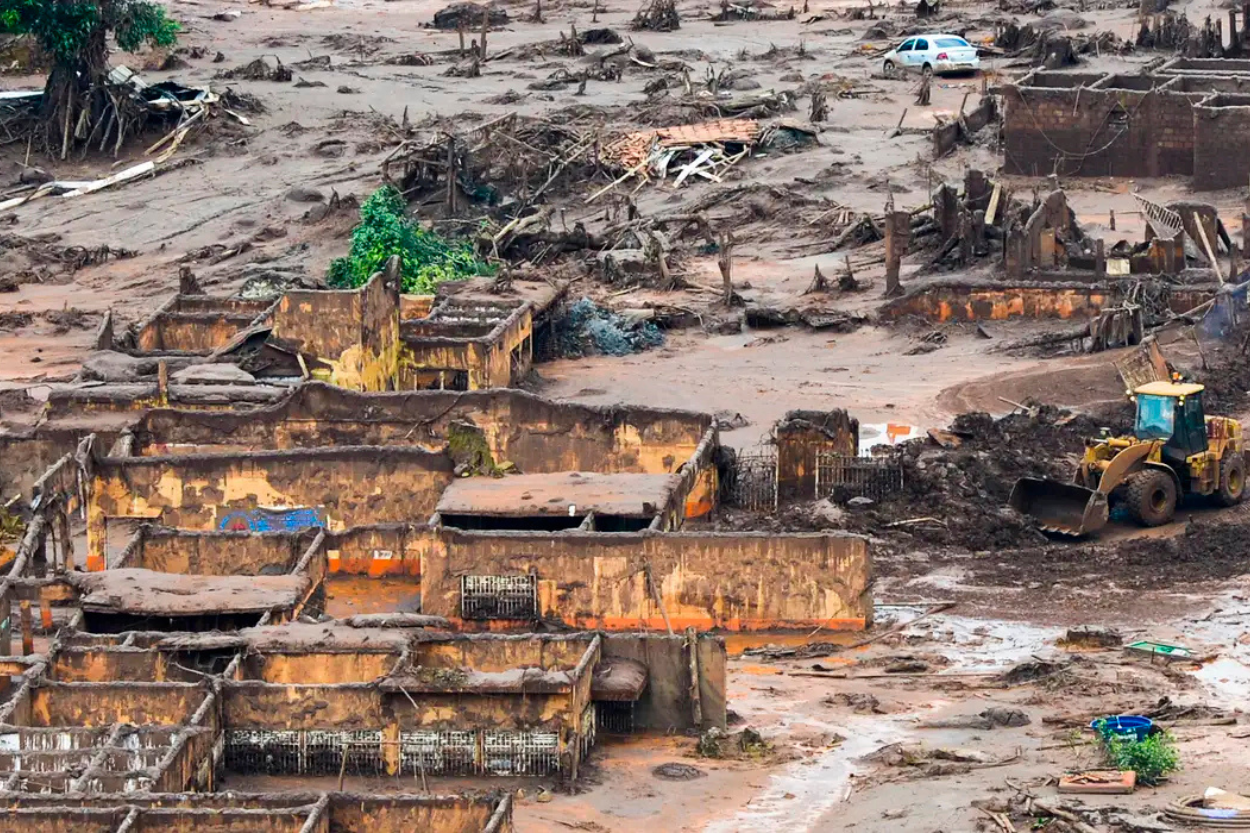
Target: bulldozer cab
x,y
1172,412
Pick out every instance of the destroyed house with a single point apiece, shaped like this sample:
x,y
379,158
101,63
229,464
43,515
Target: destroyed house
x,y
1189,117
136,711
237,812
491,509
467,337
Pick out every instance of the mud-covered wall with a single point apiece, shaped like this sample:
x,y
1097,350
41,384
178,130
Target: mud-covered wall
x,y
91,665
319,667
216,553
667,701
191,332
501,652
946,135
25,457
955,302
488,361
535,434
741,581
197,812
355,332
443,815
802,438
392,550
103,704
362,706
341,487
59,820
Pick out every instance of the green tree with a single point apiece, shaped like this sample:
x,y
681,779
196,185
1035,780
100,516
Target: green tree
x,y
426,259
77,104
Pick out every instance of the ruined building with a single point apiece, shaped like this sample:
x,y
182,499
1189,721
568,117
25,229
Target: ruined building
x,y
1189,117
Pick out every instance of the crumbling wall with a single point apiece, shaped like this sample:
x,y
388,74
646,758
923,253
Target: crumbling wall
x,y
494,360
963,302
947,134
191,332
1221,128
355,332
743,581
196,323
535,434
802,437
343,487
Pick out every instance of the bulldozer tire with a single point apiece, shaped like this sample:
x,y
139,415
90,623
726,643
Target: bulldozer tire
x,y
1232,480
1150,497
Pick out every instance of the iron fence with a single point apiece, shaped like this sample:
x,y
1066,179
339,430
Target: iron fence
x,y
751,483
361,752
845,476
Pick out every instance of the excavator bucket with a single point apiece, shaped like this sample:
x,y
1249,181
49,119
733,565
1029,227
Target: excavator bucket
x,y
1060,507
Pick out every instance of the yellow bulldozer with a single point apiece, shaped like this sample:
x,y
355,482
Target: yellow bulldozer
x,y
1175,450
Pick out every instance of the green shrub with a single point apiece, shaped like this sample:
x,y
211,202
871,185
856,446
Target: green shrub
x,y
1152,758
385,229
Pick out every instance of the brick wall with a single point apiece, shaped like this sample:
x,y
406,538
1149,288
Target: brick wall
x,y
1097,132
1221,128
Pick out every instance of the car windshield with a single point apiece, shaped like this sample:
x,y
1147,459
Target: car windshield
x,y
1156,416
949,42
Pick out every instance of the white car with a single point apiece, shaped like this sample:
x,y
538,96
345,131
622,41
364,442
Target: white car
x,y
929,54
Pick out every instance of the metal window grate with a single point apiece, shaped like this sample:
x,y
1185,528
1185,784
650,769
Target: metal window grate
x,y
520,753
499,597
438,753
847,477
751,483
614,717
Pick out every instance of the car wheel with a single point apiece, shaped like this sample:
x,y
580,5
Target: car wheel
x,y
888,69
927,71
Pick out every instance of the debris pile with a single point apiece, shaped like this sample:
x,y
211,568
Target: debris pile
x,y
1052,44
465,15
706,150
39,259
957,496
514,160
658,16
587,329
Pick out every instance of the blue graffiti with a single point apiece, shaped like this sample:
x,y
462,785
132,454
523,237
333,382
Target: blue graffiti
x,y
273,520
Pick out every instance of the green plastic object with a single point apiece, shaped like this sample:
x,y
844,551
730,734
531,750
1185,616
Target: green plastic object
x,y
1163,649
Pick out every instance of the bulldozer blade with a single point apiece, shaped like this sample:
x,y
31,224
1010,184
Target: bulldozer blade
x,y
1060,507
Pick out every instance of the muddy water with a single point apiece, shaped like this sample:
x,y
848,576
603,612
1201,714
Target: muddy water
x,y
798,797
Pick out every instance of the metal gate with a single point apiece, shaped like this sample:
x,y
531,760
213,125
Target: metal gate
x,y
751,483
870,477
